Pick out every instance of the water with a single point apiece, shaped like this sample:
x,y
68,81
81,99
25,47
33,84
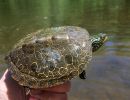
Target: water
x,y
108,75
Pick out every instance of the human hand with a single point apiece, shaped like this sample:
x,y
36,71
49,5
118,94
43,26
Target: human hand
x,y
10,90
58,92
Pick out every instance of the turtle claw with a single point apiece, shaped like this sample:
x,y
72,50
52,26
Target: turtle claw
x,y
27,90
83,75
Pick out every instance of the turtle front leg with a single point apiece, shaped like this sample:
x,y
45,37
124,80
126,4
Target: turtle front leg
x,y
83,75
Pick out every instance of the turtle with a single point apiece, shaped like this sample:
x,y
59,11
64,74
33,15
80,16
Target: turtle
x,y
52,56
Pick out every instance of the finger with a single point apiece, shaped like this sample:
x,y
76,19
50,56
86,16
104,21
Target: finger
x,y
51,96
58,89
33,98
35,91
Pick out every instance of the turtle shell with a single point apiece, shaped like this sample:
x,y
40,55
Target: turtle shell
x,y
50,56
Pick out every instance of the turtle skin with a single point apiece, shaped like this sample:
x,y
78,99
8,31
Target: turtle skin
x,y
50,57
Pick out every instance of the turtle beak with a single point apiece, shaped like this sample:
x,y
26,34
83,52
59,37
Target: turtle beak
x,y
105,38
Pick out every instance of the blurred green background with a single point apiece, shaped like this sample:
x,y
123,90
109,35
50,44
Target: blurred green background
x,y
108,75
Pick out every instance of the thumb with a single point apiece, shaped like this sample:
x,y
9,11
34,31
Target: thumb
x,y
49,96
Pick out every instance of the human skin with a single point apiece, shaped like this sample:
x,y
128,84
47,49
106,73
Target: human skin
x,y
11,90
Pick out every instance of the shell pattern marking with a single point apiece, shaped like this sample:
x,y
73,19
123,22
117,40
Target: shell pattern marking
x,y
50,57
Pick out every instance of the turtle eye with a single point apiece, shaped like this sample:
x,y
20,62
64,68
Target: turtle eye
x,y
103,37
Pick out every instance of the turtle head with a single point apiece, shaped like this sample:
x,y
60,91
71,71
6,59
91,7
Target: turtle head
x,y
98,41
